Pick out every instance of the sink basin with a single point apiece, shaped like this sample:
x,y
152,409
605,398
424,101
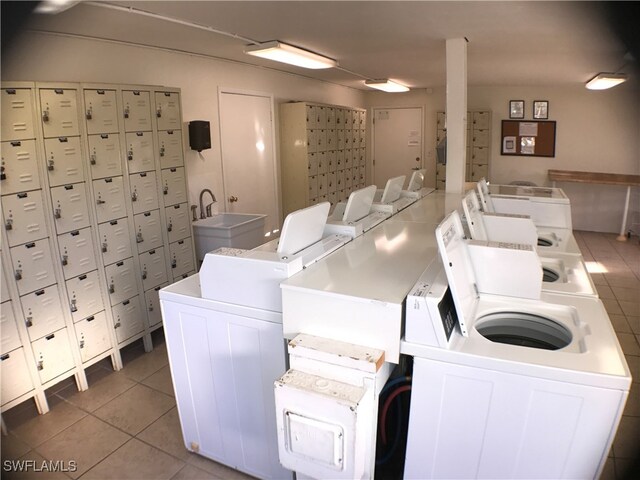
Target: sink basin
x,y
236,230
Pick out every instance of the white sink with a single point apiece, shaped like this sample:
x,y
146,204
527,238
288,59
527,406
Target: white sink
x,y
236,230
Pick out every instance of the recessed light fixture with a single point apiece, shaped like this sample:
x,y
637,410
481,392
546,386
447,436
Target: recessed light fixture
x,y
602,81
282,52
386,86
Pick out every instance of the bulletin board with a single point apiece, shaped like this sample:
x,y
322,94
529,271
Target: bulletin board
x,y
529,138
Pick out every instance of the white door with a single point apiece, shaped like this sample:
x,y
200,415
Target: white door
x,y
248,159
397,143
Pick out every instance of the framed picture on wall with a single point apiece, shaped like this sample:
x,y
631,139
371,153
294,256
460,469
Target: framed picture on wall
x,y
516,109
541,109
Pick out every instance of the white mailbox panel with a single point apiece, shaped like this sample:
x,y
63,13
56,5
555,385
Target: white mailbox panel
x,y
121,281
101,111
128,319
63,160
153,268
140,151
59,112
77,255
115,241
42,312
85,298
110,202
137,110
10,339
168,110
171,154
17,114
152,303
14,373
144,191
148,230
70,207
104,155
24,217
174,186
178,222
181,257
33,266
53,355
92,334
19,167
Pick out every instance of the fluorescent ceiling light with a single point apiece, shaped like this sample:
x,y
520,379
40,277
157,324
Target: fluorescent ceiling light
x,y
386,86
54,6
281,52
602,81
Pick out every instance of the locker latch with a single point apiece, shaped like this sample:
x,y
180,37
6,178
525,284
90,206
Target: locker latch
x,y
100,201
41,365
126,113
9,224
81,344
57,213
144,275
74,307
93,159
45,115
150,308
104,247
50,165
174,263
165,190
130,155
18,274
3,176
112,288
134,196
28,322
65,260
117,325
159,112
169,227
139,238
89,114
162,151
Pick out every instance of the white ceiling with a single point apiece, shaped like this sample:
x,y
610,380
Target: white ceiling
x,y
510,43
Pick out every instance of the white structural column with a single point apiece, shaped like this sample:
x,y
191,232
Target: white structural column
x,y
456,113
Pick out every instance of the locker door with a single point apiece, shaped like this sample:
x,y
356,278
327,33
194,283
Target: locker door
x,y
148,230
115,241
140,152
481,138
313,187
42,312
321,138
144,191
110,202
53,355
321,117
340,160
14,373
152,302
101,112
93,336
59,112
332,139
331,161
331,117
121,281
362,159
348,159
104,155
181,257
340,178
63,160
76,252
127,318
348,178
340,118
322,162
178,222
168,110
171,154
480,155
153,268
17,114
24,217
312,164
331,182
478,172
333,198
70,207
322,184
137,110
32,266
340,139
481,120
311,116
9,339
84,294
19,170
174,186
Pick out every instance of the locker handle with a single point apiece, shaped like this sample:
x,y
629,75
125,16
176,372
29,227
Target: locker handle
x,y
134,196
162,151
89,114
100,92
126,112
174,263
23,195
159,112
82,277
139,238
119,264
91,318
45,115
16,144
10,91
8,225
167,94
130,155
126,302
169,227
18,274
59,91
73,306
113,222
3,176
136,92
104,247
63,139
92,159
104,136
117,325
39,292
81,344
176,207
157,289
40,365
147,214
144,275
169,132
50,165
143,174
100,202
173,170
68,187
152,252
65,260
108,180
165,190
150,308
112,288
75,233
140,134
4,357
30,245
28,322
57,213
51,336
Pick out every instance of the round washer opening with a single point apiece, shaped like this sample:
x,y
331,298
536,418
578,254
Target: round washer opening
x,y
543,242
549,275
524,330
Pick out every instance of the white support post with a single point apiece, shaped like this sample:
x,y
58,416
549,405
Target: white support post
x,y
456,113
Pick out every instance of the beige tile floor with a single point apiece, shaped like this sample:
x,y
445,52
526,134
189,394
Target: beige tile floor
x,y
126,424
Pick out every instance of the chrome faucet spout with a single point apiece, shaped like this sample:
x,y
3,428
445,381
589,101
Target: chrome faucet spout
x,y
208,209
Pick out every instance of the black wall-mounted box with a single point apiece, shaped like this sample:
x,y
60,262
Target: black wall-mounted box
x,y
199,135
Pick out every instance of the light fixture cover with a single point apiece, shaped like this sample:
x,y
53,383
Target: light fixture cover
x,y
386,86
282,52
602,81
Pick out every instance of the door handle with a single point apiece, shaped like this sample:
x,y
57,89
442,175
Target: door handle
x,y
233,199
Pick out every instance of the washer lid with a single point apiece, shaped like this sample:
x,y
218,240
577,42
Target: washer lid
x,y
457,264
475,223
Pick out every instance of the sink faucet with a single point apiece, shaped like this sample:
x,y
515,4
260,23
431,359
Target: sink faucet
x,y
208,208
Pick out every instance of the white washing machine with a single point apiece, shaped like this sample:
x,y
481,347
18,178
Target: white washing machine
x,y
506,387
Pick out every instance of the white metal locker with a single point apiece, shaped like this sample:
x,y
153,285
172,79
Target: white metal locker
x,y
170,144
53,355
362,159
333,198
110,202
14,373
127,319
178,222
321,117
311,116
33,266
85,298
77,255
101,111
322,162
181,257
340,138
137,110
42,312
63,160
331,182
24,218
340,160
152,304
348,159
121,281
104,155
321,138
340,180
115,241
70,207
168,110
148,230
322,185
361,176
19,170
140,151
340,118
331,139
17,114
144,191
331,117
153,268
348,178
93,336
174,186
10,340
59,112
313,186
312,164
331,161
